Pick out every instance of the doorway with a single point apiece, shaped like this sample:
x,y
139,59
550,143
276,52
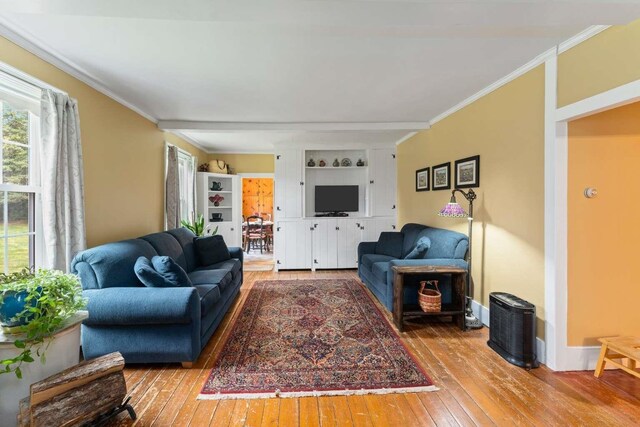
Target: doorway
x,y
257,221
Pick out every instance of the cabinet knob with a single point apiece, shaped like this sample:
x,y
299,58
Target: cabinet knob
x,y
371,182
301,183
361,228
232,228
337,228
358,224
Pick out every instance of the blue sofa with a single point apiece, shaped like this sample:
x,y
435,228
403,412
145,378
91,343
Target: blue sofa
x,y
147,324
376,259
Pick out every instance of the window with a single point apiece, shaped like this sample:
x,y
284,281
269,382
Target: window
x,y
19,184
186,180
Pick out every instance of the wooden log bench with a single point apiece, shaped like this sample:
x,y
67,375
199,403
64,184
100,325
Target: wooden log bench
x,y
615,349
77,396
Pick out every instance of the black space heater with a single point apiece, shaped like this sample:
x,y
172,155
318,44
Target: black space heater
x,y
512,329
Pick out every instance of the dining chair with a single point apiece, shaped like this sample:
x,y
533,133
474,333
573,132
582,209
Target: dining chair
x,y
255,232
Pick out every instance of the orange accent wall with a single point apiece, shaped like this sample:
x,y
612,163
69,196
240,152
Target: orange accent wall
x,y
604,232
257,196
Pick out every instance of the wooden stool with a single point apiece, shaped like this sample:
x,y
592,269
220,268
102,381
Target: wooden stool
x,y
619,348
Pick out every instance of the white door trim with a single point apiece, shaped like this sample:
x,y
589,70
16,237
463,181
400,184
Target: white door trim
x,y
559,355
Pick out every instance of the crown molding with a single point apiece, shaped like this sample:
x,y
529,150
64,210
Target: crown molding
x,y
190,140
581,37
407,136
31,44
205,126
538,60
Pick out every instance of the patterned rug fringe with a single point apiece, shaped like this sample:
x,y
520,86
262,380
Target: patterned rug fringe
x,y
277,393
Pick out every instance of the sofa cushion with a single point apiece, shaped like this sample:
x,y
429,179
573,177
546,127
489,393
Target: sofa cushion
x,y
380,270
221,278
390,243
211,250
232,265
422,246
149,276
209,295
111,264
171,270
167,244
369,259
185,237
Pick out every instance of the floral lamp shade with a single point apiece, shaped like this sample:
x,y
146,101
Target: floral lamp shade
x,y
453,210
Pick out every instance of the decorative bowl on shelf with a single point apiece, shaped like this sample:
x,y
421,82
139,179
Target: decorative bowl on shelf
x,y
360,163
322,163
311,163
346,162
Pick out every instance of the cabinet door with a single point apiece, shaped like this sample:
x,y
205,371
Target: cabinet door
x,y
228,231
382,182
293,244
372,227
349,235
324,237
288,184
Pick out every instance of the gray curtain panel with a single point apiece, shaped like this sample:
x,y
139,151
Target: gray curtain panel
x,y
172,190
62,180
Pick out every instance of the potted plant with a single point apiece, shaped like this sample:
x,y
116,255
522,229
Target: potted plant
x,y
35,304
196,226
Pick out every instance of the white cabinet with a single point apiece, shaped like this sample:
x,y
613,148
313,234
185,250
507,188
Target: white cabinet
x,y
372,227
382,182
293,242
324,236
218,197
349,235
288,184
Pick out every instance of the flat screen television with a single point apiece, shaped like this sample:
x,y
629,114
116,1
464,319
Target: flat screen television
x,y
337,198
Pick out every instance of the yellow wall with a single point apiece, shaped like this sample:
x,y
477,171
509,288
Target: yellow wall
x,y
608,60
123,155
506,128
603,286
247,163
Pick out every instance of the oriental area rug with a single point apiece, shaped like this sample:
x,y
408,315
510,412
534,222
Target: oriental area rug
x,y
315,337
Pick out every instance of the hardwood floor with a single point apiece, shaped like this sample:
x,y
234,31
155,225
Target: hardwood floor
x,y
477,387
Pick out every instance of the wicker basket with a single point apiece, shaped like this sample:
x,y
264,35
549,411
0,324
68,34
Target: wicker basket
x,y
430,300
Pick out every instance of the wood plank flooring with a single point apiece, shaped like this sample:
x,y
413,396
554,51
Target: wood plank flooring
x,y
477,387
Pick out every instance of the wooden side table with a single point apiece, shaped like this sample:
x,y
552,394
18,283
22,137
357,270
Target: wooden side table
x,y
456,309
614,349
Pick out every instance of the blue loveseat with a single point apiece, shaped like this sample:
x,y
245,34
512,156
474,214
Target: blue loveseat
x,y
376,259
147,324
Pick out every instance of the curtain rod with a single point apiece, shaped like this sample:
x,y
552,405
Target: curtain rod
x,y
27,78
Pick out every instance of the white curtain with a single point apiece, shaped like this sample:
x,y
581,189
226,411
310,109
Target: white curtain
x,y
180,187
62,180
172,190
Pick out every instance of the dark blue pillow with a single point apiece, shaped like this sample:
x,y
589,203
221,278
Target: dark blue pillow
x,y
422,246
211,250
171,271
148,275
390,244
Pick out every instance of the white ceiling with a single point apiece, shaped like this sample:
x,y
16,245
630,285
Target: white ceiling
x,y
296,61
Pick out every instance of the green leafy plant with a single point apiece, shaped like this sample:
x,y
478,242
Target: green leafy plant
x,y
51,297
196,226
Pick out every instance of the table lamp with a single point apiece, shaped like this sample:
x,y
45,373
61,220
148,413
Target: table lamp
x,y
454,210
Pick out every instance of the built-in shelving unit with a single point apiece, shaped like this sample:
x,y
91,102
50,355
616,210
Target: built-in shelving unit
x,y
228,209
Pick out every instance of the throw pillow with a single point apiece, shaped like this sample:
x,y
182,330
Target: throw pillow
x,y
420,250
390,244
171,271
211,250
148,275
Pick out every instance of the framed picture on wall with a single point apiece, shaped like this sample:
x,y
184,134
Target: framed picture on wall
x,y
422,179
440,176
467,172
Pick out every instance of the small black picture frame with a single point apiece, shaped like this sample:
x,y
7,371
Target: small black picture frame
x,y
441,177
422,179
467,172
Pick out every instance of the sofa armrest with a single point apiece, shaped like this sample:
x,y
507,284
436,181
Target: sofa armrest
x,y
236,253
366,248
418,262
142,306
